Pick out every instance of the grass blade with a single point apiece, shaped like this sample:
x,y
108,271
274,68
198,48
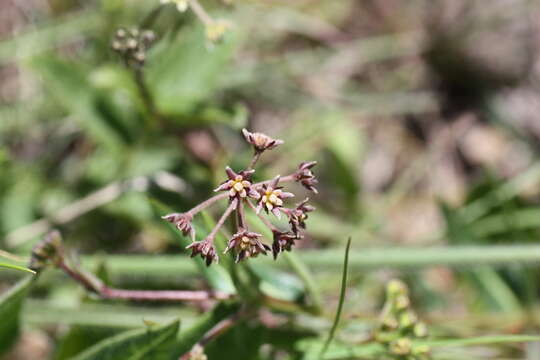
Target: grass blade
x,y
341,300
16,267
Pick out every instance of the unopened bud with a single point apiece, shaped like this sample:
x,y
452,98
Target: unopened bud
x,y
401,346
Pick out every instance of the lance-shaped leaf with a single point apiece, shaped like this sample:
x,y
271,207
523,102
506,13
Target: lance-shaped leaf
x,y
148,343
10,308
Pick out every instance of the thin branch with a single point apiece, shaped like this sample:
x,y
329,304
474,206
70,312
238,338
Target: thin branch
x,y
241,216
207,203
90,202
214,199
254,160
233,205
201,12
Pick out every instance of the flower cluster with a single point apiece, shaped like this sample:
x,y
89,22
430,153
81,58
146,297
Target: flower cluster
x,y
132,45
400,326
242,193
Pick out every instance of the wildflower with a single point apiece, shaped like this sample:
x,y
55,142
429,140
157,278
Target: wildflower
x,y
401,346
238,185
182,221
305,177
260,141
132,45
272,197
215,30
299,215
246,244
206,249
283,241
181,5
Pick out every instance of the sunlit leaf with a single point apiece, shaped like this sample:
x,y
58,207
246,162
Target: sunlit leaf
x,y
147,343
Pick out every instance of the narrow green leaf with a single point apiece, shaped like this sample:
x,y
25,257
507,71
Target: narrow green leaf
x,y
341,300
296,264
10,308
480,340
329,259
511,188
16,267
373,350
147,343
312,350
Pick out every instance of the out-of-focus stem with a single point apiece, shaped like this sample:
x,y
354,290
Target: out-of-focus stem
x,y
200,12
96,286
234,205
218,330
149,20
254,160
146,96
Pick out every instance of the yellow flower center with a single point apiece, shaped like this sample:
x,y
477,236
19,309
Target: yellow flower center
x,y
239,186
271,198
245,243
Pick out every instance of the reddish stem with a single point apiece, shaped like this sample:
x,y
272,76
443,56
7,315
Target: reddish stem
x,y
233,205
161,295
254,160
241,216
218,330
96,286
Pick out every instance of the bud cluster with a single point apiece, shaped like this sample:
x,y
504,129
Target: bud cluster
x,y
399,325
242,193
132,45
47,251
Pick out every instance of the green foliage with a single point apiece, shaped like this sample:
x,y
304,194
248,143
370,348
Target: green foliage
x,y
146,343
102,150
183,72
11,304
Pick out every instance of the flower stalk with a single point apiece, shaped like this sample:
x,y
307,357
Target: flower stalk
x,y
241,192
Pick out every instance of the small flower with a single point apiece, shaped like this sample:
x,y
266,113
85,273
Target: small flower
x,y
260,141
215,31
305,177
182,221
272,197
181,5
283,241
206,249
197,353
238,185
298,215
246,244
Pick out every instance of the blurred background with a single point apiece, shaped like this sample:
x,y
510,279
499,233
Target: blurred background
x,y
423,117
